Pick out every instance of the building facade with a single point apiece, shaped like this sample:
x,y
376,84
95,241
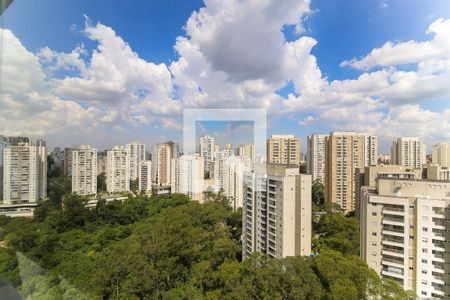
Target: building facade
x,y
3,144
405,233
276,216
441,155
346,152
118,170
187,176
207,151
161,159
136,151
247,151
283,149
22,173
84,170
408,152
315,156
145,176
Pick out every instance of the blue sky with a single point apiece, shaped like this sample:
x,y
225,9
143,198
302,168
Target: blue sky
x,y
342,30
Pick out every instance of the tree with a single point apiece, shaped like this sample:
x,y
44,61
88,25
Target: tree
x,y
101,182
318,195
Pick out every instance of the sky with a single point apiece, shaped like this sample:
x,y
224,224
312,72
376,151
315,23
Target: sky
x,y
107,72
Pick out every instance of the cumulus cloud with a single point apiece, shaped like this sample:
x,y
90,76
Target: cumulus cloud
x,y
233,54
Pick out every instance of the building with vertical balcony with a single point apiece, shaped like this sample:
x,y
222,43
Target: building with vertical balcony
x,y
283,149
207,151
22,174
276,217
161,160
315,156
440,155
136,151
84,170
346,152
187,176
145,176
118,170
408,152
405,233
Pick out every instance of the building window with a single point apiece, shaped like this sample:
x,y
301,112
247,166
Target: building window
x,y
374,234
374,214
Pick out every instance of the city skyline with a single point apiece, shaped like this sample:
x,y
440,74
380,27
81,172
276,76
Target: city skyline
x,y
91,78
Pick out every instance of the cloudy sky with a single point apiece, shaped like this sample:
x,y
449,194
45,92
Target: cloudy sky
x,y
107,72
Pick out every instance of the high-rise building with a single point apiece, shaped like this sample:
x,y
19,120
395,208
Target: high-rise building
x,y
174,149
3,144
42,168
207,148
408,152
118,170
405,233
101,162
276,217
145,176
187,176
315,156
346,152
161,159
68,161
283,149
16,140
22,182
441,155
84,170
229,177
247,150
136,152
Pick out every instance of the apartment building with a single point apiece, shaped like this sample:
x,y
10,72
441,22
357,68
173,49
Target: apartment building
x,y
283,149
207,148
161,159
136,152
276,217
229,177
408,152
118,170
145,176
405,233
436,172
315,156
67,167
188,177
441,155
101,162
346,152
247,151
84,170
3,144
24,173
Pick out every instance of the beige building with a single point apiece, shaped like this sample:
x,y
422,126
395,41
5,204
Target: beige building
x,y
436,172
408,152
84,170
441,155
118,170
346,152
161,158
283,149
276,217
247,151
405,233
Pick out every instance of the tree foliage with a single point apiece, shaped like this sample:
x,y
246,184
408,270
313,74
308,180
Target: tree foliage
x,y
167,247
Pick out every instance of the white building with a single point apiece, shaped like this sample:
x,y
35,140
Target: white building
x,y
405,233
229,177
84,170
145,176
408,152
316,155
441,155
207,148
24,180
136,152
276,217
117,170
187,176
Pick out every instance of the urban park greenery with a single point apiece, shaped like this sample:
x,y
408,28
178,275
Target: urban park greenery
x,y
168,247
